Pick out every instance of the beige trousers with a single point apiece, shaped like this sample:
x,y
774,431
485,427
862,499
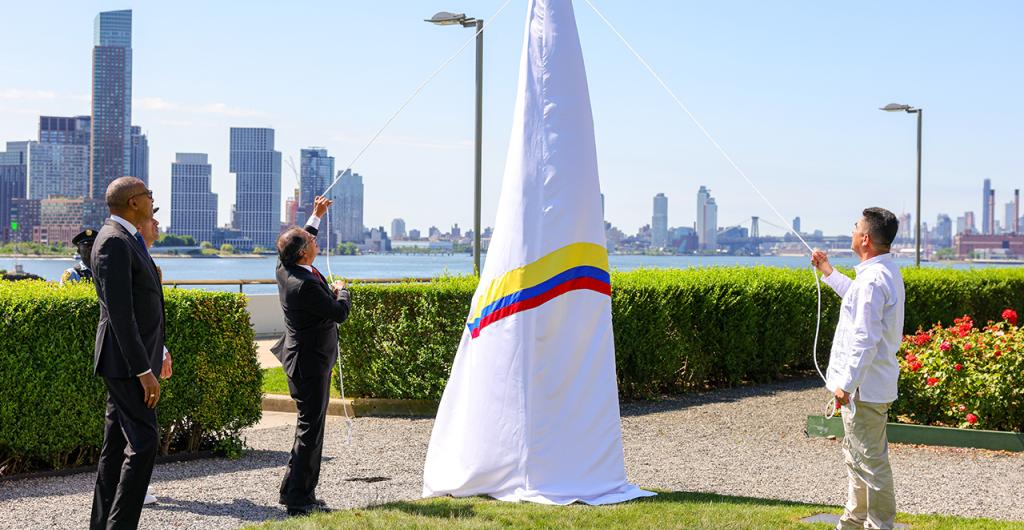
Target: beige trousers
x,y
871,501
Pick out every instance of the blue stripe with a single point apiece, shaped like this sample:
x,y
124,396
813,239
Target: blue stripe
x,y
584,271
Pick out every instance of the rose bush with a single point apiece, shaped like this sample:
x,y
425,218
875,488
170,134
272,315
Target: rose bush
x,y
963,376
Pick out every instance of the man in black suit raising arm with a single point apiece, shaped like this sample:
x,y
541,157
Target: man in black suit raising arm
x,y
308,350
129,352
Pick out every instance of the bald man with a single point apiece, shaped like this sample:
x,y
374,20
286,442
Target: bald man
x,y
128,355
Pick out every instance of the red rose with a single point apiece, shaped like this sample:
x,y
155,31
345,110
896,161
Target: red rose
x,y
914,366
932,381
968,346
997,353
922,338
962,408
972,419
958,367
910,357
945,346
1010,316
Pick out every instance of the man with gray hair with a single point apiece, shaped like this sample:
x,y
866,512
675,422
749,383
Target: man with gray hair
x,y
862,368
308,350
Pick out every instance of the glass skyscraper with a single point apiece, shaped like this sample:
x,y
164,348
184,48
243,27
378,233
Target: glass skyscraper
x,y
140,155
347,213
111,149
659,222
315,175
193,206
257,169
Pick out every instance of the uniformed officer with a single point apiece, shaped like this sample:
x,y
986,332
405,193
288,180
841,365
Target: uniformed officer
x,y
81,271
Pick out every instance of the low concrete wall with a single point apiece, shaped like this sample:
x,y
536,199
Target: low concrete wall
x,y
266,315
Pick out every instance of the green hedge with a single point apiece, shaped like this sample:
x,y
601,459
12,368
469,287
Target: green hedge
x,y
675,330
51,405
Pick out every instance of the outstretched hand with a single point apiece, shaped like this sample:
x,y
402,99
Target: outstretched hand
x,y
320,205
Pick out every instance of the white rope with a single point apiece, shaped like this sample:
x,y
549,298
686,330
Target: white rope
x,y
735,166
417,92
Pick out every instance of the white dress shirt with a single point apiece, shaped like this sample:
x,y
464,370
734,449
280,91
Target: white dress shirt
x,y
132,230
863,360
313,221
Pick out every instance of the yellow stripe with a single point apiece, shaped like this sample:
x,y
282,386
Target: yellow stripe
x,y
531,274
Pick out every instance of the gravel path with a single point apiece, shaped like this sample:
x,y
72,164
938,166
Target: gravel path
x,y
746,442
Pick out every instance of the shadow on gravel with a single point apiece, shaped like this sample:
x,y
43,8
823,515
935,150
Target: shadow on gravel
x,y
242,509
85,481
726,395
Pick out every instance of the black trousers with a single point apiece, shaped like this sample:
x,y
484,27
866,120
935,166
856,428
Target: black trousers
x,y
131,439
302,474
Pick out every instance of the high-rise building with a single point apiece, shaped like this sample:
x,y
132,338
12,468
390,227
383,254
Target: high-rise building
x,y
74,130
659,222
257,169
986,191
992,211
140,155
24,215
796,225
193,206
348,197
56,169
315,175
291,209
969,226
707,220
111,148
414,235
398,229
13,171
906,231
943,232
456,231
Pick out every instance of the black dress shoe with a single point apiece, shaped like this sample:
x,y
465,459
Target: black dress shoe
x,y
299,511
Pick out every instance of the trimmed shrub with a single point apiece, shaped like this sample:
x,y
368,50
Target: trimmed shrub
x,y
676,330
52,406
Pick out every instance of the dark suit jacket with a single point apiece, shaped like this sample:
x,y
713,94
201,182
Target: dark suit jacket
x,y
312,312
130,335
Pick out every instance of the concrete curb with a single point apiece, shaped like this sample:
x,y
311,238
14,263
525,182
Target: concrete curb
x,y
412,408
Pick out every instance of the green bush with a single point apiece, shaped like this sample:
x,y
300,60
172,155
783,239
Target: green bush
x,y
675,330
51,404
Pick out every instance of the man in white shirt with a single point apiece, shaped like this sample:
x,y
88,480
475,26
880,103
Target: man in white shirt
x,y
863,366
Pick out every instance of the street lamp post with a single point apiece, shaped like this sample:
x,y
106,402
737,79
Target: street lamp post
x,y
445,18
896,107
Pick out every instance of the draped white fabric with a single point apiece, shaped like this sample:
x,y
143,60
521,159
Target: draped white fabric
x,y
531,410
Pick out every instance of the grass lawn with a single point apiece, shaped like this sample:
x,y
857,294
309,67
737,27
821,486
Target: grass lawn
x,y
275,382
667,510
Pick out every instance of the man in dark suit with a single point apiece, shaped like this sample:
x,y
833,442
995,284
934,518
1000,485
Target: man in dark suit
x,y
129,351
308,350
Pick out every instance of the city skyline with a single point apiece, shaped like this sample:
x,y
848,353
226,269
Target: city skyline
x,y
188,104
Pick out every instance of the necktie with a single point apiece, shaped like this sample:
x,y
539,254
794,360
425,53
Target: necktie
x,y
318,275
138,237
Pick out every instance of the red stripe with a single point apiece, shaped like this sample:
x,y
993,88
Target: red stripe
x,y
590,284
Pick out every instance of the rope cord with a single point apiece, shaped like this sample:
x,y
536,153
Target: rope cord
x,y
831,407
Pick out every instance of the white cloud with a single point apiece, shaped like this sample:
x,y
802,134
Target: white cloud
x,y
22,94
164,105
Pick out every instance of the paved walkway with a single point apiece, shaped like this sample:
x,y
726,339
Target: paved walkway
x,y
746,442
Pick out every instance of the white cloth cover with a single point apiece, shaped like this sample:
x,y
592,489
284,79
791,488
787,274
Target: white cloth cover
x,y
531,410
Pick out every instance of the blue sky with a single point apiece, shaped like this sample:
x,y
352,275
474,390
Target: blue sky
x,y
790,89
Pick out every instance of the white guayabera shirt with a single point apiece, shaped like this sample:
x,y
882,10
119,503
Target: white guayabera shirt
x,y
867,340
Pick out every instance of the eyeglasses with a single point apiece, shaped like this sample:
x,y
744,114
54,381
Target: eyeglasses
x,y
147,192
